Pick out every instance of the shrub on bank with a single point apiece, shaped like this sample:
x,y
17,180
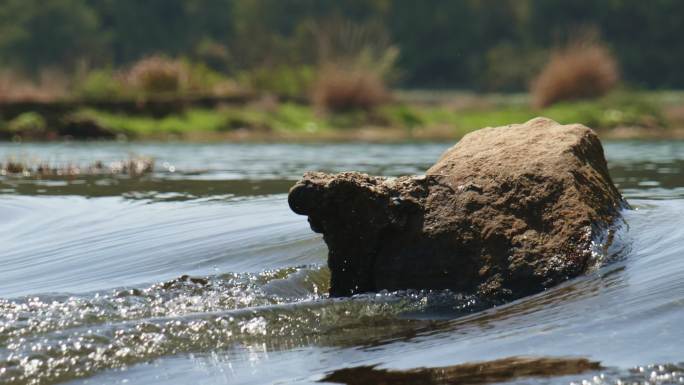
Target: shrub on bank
x,y
509,67
584,69
355,64
337,88
155,76
159,75
29,125
100,84
48,86
284,80
201,79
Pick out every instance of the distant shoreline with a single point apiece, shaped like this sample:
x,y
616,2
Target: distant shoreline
x,y
363,135
411,116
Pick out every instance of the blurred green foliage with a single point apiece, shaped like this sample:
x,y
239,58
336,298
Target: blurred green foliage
x,y
476,44
618,109
28,125
283,80
285,117
98,85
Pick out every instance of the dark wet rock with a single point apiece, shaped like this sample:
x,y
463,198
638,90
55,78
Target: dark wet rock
x,y
187,279
506,212
82,126
503,370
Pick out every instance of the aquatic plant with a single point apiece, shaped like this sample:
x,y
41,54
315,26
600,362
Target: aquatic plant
x,y
134,166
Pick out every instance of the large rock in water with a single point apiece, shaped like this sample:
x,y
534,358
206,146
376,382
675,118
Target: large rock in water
x,y
506,212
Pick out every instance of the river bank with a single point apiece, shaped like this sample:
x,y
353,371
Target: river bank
x,y
412,115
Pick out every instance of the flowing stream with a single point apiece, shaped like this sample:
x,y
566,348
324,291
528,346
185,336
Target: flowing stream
x,y
198,273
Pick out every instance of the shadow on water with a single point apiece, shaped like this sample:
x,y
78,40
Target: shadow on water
x,y
153,188
506,369
534,370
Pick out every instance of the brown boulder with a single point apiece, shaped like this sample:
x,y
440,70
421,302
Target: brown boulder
x,y
506,212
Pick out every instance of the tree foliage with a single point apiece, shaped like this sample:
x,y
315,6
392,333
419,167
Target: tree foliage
x,y
478,44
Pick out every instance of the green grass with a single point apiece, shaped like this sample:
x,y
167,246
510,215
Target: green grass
x,y
289,117
141,126
284,118
618,109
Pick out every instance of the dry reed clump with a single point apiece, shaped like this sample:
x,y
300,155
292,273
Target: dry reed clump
x,y
158,75
338,88
355,62
584,69
50,85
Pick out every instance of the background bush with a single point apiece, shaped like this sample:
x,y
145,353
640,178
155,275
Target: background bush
x,y
159,75
475,44
99,85
338,89
583,69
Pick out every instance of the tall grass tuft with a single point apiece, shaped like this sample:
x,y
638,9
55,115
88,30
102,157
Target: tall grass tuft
x,y
582,69
159,75
50,85
356,61
338,88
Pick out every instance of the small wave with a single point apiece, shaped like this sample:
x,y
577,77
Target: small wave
x,y
49,340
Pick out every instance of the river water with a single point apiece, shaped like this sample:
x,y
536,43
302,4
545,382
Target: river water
x,y
199,273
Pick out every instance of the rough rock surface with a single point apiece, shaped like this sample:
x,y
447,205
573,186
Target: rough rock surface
x,y
506,212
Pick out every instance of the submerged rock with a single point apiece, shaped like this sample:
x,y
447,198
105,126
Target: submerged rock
x,y
82,126
506,212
